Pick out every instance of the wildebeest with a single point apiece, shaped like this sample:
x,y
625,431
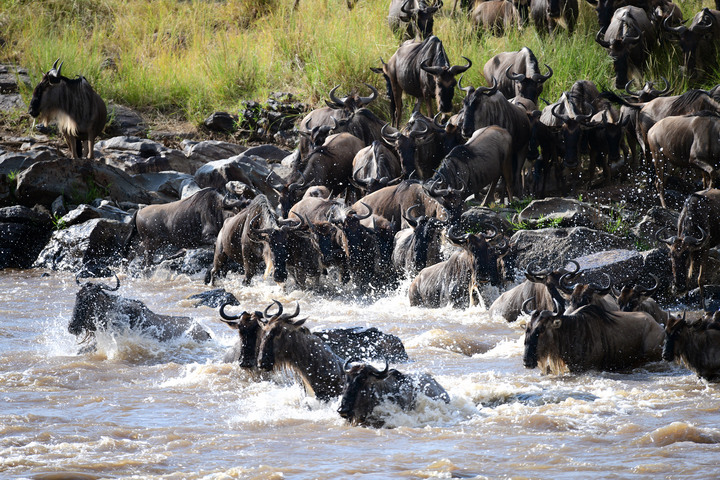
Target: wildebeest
x,y
256,238
591,338
455,281
486,106
548,14
365,343
367,387
285,343
694,344
540,285
421,70
496,16
684,141
412,18
95,309
322,120
79,111
375,167
699,42
697,232
481,162
628,39
187,223
637,298
517,73
581,294
419,245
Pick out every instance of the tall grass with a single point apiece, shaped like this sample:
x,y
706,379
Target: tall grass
x,y
194,57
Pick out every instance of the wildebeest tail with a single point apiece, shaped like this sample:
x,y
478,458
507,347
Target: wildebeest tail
x,y
131,235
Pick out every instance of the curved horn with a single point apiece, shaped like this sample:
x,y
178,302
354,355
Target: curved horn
x,y
565,287
630,92
257,231
369,213
347,364
600,39
295,313
295,185
563,117
678,30
367,100
664,90
701,27
649,290
518,77
670,241
494,231
279,312
382,374
577,267
340,102
525,304
632,39
456,69
225,316
468,90
545,77
409,13
556,307
389,136
432,70
455,237
420,133
602,289
489,90
690,240
437,123
535,276
411,219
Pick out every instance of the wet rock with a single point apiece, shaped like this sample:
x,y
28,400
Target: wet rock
x,y
270,153
85,212
23,234
252,171
79,180
94,245
653,221
190,261
125,121
562,212
553,247
214,298
167,183
473,218
210,150
223,122
622,266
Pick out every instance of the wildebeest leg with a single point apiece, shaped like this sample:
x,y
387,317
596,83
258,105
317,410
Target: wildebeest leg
x,y
396,99
90,148
660,177
698,258
707,170
490,193
72,145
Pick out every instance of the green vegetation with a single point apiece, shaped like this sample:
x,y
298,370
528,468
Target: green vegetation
x,y
89,192
194,57
58,222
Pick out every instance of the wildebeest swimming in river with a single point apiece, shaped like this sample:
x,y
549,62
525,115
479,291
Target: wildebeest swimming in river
x,y
95,309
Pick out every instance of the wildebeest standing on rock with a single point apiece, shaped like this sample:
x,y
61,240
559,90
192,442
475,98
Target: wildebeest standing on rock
x,y
78,110
591,338
696,344
698,230
96,309
187,223
367,387
421,70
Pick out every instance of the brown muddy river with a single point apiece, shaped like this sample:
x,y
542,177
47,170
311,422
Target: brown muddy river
x,y
141,409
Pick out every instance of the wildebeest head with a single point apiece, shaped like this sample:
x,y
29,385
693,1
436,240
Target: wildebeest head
x,y
582,294
554,8
249,329
46,90
277,325
405,144
421,15
619,50
689,38
352,101
551,280
366,387
648,92
529,86
571,133
541,322
92,305
630,297
673,330
445,82
473,103
605,10
681,246
485,256
278,240
427,229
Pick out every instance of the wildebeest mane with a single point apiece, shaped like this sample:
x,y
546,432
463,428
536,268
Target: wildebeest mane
x,y
587,329
687,99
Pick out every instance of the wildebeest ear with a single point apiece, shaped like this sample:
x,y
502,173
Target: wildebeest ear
x,y
557,323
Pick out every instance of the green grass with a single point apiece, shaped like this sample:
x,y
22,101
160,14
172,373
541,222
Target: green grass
x,y
195,57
